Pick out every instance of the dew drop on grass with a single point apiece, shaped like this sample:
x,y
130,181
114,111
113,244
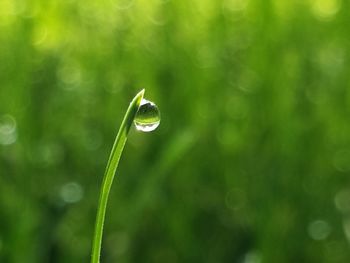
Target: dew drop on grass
x,y
148,116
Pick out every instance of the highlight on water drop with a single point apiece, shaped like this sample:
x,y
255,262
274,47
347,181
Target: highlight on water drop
x,y
148,116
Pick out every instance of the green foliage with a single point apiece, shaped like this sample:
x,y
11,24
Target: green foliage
x,y
251,161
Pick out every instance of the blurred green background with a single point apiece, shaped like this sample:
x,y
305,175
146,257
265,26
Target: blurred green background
x,y
251,161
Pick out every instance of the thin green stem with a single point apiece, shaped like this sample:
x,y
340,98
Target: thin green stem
x,y
111,168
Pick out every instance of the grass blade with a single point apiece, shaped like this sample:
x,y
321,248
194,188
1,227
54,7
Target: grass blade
x,y
111,168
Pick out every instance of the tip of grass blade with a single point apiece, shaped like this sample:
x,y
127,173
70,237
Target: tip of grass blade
x,y
141,93
111,168
139,96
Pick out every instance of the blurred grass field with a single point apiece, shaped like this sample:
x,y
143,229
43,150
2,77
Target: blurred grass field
x,y
251,161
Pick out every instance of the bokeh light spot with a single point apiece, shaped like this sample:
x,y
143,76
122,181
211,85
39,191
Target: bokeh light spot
x,y
325,9
70,75
8,131
342,201
252,257
71,192
319,230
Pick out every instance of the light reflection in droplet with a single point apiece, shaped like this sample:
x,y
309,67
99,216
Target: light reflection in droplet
x,y
147,118
8,130
319,230
71,192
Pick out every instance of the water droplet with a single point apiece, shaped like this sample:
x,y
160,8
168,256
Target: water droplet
x,y
148,116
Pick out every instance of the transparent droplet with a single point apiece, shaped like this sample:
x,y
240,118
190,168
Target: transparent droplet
x,y
148,116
